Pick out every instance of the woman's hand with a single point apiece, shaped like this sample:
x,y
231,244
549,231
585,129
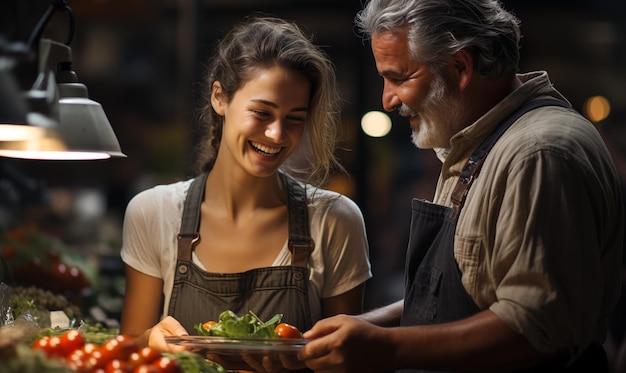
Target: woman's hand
x,y
168,327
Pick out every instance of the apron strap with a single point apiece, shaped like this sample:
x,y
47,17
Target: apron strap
x,y
190,223
475,162
300,242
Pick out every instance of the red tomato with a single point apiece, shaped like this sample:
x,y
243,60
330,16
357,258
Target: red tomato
x,y
167,365
72,340
82,358
120,347
95,360
43,344
57,346
51,345
88,348
284,330
145,355
77,360
118,366
146,368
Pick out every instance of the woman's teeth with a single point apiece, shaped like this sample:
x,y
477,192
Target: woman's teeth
x,y
265,150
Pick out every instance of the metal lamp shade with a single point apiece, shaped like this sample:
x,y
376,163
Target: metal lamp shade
x,y
83,124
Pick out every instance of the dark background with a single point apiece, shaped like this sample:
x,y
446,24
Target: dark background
x,y
143,61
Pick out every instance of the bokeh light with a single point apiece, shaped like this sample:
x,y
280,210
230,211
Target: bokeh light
x,y
376,124
597,108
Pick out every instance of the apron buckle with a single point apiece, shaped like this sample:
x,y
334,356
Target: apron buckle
x,y
300,252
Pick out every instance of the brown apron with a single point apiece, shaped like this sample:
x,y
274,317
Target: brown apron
x,y
434,292
199,296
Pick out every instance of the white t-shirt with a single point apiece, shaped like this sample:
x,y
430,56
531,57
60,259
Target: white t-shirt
x,y
338,263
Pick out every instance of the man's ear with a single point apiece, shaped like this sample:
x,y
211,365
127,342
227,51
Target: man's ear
x,y
462,68
217,100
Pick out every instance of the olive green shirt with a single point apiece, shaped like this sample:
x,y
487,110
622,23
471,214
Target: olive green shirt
x,y
539,239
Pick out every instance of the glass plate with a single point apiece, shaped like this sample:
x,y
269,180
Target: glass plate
x,y
235,346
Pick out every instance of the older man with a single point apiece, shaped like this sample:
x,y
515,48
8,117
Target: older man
x,y
515,265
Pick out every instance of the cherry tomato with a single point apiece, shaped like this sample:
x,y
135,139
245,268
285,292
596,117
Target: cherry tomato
x,y
284,330
43,344
57,346
81,360
146,368
120,347
88,348
95,360
72,340
118,366
146,355
167,365
208,325
50,345
77,360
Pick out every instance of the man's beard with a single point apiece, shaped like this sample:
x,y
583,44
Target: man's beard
x,y
438,115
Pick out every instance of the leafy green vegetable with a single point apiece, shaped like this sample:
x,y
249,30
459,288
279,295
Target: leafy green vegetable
x,y
246,326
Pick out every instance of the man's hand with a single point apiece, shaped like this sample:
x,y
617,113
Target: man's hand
x,y
347,344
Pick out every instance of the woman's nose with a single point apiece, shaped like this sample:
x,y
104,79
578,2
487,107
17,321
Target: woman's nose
x,y
275,131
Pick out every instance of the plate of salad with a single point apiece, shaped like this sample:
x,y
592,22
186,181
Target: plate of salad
x,y
233,335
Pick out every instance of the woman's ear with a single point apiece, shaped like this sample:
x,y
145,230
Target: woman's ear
x,y
217,100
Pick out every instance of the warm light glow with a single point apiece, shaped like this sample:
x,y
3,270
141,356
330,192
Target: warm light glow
x,y
376,124
45,149
53,155
597,108
20,132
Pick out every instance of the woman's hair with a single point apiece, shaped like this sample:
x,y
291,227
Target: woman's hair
x,y
264,42
439,28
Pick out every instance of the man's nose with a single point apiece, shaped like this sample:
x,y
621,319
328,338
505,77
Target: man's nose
x,y
389,98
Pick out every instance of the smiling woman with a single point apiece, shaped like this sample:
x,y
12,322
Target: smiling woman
x,y
268,114
251,232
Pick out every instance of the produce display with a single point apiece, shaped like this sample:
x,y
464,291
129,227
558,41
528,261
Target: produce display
x,y
119,354
248,325
39,259
38,301
51,280
96,349
89,349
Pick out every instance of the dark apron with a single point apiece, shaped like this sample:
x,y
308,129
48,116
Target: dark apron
x,y
434,292
199,296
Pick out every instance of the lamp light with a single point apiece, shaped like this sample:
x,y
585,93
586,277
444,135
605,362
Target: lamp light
x,y
61,123
43,110
13,123
82,122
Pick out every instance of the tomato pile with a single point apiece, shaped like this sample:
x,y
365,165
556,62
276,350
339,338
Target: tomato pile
x,y
119,354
